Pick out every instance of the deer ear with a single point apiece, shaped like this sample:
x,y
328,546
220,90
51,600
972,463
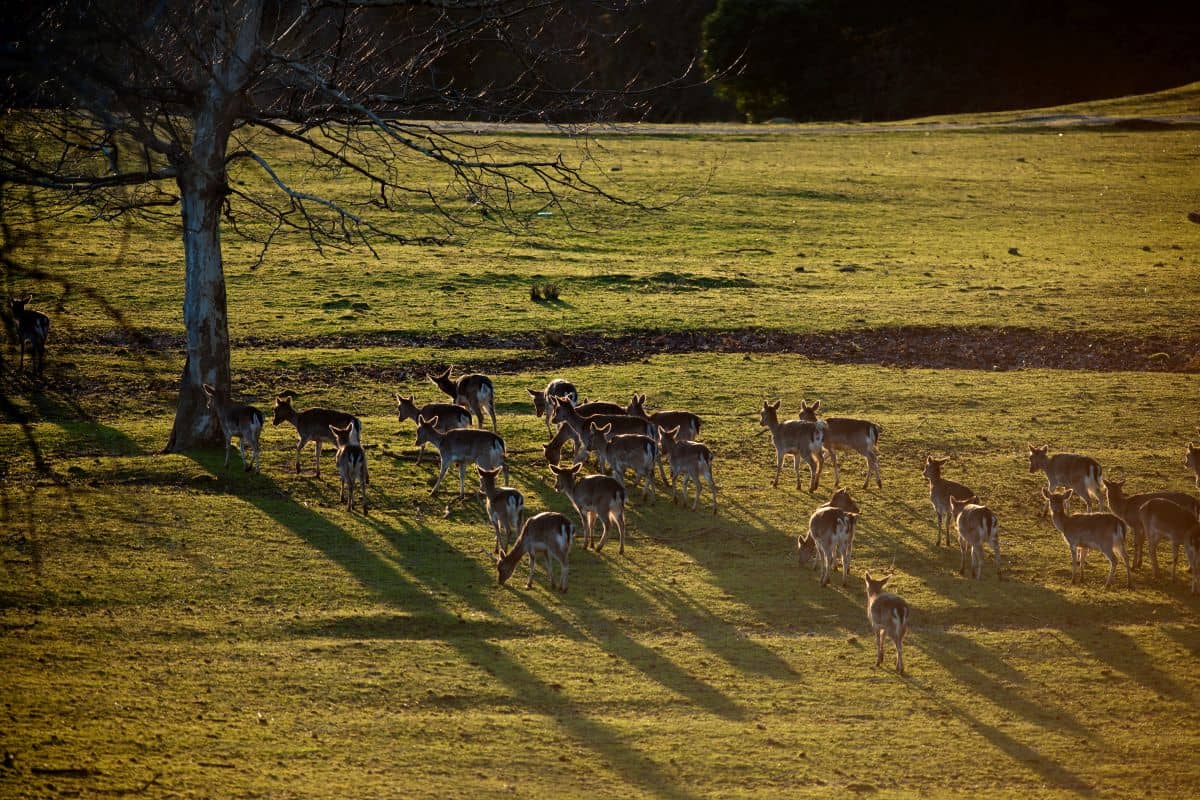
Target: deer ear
x,y
534,393
673,432
776,404
209,390
575,469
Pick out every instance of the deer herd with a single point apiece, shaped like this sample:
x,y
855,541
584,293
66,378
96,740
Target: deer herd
x,y
629,439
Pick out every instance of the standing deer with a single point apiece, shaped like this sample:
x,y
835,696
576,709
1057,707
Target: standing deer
x,y
1127,506
1080,474
313,424
236,419
595,497
686,422
556,388
471,391
1192,461
888,614
1161,519
844,433
800,439
977,526
831,535
33,328
460,446
627,451
940,491
504,506
548,533
450,416
1096,531
807,545
351,465
692,460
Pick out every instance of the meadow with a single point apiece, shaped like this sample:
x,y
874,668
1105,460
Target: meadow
x,y
173,628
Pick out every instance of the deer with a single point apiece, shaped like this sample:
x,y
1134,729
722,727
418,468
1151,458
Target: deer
x,y
888,614
312,424
449,416
686,422
940,491
504,506
831,536
236,419
595,497
807,545
692,460
33,328
1080,474
555,388
844,433
548,533
473,391
460,446
628,451
351,464
1162,518
977,525
800,439
566,412
1192,461
1126,506
589,407
1095,531
552,449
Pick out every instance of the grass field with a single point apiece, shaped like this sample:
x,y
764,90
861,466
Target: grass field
x,y
172,628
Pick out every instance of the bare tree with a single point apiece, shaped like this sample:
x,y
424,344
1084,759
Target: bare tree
x,y
163,110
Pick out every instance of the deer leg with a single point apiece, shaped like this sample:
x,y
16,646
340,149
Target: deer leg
x,y
1139,539
962,561
712,485
532,562
462,479
619,516
900,654
1153,543
879,647
1112,568
833,459
441,474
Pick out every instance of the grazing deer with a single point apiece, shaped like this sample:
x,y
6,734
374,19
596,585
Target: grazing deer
x,y
566,412
1096,531
629,451
555,388
692,460
686,422
552,449
831,536
1161,519
450,416
460,446
940,491
844,433
548,533
236,419
33,328
1192,461
800,439
1080,474
595,497
351,464
313,424
472,391
1126,506
888,614
977,526
504,506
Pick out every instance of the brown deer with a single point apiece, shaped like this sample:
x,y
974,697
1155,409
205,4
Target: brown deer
x,y
1161,519
549,534
692,460
471,391
806,544
236,419
313,424
1126,506
566,412
844,433
504,506
831,533
1192,461
1080,474
940,491
450,416
628,451
351,465
595,497
686,422
888,614
555,388
977,525
462,446
1091,531
797,438
33,329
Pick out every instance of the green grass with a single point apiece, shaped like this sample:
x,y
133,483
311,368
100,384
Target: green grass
x,y
177,629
